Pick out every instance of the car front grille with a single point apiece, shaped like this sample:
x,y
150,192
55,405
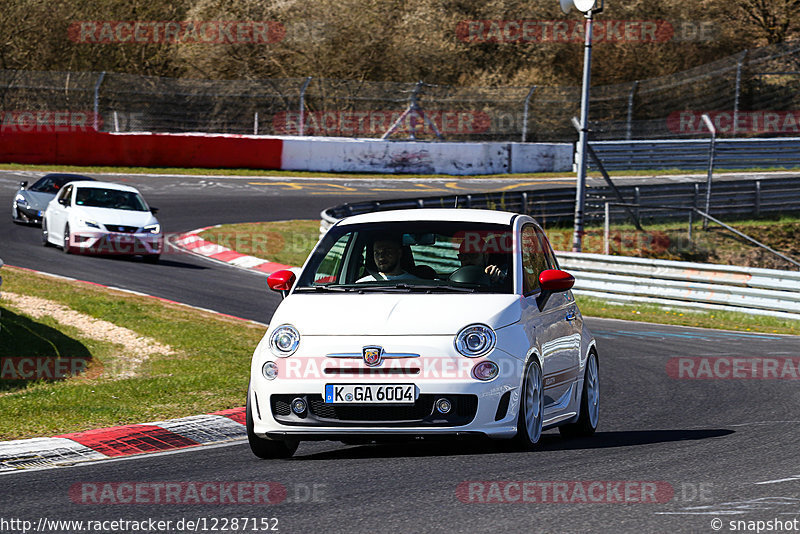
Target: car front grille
x,y
421,413
122,229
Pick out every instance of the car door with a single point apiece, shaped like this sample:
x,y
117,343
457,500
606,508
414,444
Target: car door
x,y
554,323
57,216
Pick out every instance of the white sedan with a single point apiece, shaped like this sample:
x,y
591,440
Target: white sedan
x,y
102,218
424,322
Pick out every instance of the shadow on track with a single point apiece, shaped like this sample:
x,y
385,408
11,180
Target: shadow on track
x,y
482,446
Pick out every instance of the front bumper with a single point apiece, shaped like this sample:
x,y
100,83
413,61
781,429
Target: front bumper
x,y
114,243
489,408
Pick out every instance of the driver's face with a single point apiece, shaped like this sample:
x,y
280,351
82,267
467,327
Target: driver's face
x,y
387,255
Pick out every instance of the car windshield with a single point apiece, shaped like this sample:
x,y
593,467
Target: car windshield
x,y
96,197
52,183
417,256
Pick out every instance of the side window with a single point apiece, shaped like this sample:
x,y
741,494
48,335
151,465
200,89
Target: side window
x,y
534,259
550,258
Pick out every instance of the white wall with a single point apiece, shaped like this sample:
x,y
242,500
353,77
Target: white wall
x,y
331,154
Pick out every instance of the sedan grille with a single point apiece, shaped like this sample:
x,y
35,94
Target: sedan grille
x,y
122,229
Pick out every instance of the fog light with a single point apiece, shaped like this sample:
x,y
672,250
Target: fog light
x,y
270,370
443,405
485,370
299,406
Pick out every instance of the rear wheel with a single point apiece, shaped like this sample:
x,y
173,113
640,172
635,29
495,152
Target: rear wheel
x,y
531,410
151,258
266,448
590,403
66,246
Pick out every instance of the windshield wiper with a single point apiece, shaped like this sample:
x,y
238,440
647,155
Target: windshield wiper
x,y
428,288
322,289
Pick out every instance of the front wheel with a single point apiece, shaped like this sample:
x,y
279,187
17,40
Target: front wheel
x,y
45,242
531,410
266,448
587,421
66,247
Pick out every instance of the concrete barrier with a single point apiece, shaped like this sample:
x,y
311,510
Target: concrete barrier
x,y
333,154
321,154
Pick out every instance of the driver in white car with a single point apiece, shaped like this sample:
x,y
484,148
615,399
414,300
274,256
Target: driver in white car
x,y
388,255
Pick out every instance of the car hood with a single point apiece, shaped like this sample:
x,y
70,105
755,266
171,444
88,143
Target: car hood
x,y
37,200
115,217
394,314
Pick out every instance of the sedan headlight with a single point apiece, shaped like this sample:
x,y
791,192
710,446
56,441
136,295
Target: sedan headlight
x,y
152,229
19,199
91,224
475,340
284,340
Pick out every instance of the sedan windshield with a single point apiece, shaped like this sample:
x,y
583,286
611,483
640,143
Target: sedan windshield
x,y
416,256
52,183
95,197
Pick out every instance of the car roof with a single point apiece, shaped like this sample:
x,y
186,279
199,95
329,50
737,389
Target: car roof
x,y
73,177
433,214
105,185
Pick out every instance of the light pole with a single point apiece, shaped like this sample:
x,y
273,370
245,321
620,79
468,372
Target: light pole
x,y
589,8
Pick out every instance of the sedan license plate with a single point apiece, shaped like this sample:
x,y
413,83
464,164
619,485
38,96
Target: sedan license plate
x,y
370,393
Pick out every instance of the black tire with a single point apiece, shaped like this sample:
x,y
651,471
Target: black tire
x,y
589,417
531,408
66,246
266,448
151,258
45,242
15,214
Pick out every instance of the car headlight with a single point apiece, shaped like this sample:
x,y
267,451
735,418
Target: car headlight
x,y
152,229
475,340
91,224
19,199
284,340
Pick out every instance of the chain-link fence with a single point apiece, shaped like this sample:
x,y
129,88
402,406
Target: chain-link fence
x,y
751,94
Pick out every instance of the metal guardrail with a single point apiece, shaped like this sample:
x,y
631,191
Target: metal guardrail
x,y
692,154
685,285
553,206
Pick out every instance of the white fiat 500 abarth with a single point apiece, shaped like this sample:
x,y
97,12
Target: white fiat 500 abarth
x,y
424,322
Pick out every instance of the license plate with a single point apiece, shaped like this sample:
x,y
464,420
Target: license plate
x,y
370,393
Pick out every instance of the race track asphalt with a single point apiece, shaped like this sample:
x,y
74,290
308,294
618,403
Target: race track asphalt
x,y
717,449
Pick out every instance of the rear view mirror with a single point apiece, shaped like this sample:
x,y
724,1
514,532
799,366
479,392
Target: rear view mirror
x,y
281,280
23,184
553,281
153,210
62,201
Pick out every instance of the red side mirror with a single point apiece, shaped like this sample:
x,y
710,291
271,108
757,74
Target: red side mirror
x,y
281,280
555,280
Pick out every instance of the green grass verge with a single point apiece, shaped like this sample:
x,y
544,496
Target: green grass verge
x,y
290,242
366,175
209,371
652,313
287,242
